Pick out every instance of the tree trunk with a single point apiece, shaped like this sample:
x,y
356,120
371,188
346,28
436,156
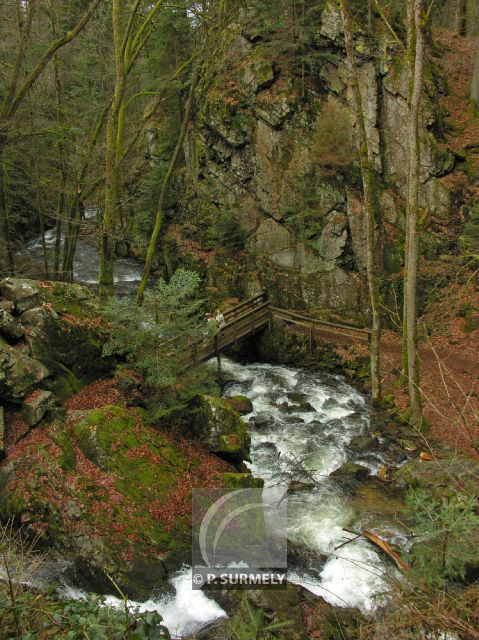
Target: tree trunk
x,y
7,266
110,214
367,174
475,81
416,54
460,17
164,190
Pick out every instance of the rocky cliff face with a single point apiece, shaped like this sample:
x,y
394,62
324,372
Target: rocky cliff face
x,y
277,154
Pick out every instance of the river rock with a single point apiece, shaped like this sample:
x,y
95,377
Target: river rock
x,y
10,328
351,469
363,444
25,294
36,405
297,486
241,404
220,428
261,420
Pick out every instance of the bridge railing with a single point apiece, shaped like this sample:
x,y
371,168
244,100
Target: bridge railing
x,y
313,326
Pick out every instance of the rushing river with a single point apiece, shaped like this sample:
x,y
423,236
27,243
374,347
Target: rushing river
x,y
301,426
305,421
86,264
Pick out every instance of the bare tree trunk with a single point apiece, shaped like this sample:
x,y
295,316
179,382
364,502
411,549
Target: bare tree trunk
x,y
460,17
367,174
416,54
475,81
164,190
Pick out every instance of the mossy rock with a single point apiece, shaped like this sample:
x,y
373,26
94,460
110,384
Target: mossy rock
x,y
352,470
241,404
441,476
241,481
109,493
220,428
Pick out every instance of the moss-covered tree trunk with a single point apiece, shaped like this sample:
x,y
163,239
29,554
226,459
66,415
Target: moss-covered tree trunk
x,y
365,157
160,209
110,213
415,61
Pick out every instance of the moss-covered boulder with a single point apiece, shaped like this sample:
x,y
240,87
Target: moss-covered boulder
x,y
241,481
109,493
445,476
220,428
241,404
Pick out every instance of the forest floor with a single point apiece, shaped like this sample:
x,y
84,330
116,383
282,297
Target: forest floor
x,y
457,62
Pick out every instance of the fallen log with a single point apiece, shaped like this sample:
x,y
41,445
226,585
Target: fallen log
x,y
383,545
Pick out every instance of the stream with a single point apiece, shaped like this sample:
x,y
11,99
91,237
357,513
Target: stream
x,y
308,417
302,425
86,266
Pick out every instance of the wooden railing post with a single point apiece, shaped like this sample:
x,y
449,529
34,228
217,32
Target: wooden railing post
x,y
311,332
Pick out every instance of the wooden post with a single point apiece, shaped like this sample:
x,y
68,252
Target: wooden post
x,y
311,337
270,321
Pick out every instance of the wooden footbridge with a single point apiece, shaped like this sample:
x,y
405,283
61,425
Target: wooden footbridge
x,y
256,314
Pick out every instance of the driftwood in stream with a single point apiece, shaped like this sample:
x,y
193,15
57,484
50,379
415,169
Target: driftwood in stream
x,y
382,544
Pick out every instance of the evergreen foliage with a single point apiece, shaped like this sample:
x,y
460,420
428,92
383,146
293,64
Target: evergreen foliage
x,y
147,337
444,530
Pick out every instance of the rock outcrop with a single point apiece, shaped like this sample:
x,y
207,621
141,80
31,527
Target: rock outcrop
x,y
278,156
50,343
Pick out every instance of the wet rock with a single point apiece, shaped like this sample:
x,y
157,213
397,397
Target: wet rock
x,y
25,294
241,404
362,444
261,420
297,485
377,497
293,419
19,373
10,328
329,403
241,481
36,405
220,428
351,469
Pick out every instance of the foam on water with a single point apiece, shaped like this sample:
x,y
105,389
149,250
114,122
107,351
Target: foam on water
x,y
184,613
313,418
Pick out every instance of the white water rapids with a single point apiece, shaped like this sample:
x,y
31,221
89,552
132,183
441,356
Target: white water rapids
x,y
311,417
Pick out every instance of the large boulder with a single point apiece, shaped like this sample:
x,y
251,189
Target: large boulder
x,y
25,294
19,373
220,428
10,328
110,494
